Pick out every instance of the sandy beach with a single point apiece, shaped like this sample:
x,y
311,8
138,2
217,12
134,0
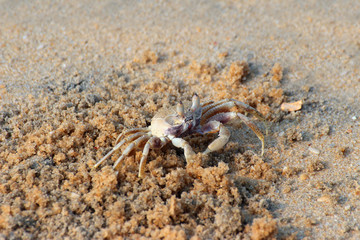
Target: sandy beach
x,y
75,74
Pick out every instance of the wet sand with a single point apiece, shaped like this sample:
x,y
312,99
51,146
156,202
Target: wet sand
x,y
74,75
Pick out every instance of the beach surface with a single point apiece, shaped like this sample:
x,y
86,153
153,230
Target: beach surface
x,y
75,74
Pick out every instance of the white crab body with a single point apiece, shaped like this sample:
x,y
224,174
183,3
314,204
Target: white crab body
x,y
161,122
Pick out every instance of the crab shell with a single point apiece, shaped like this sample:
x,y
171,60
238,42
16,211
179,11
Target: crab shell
x,y
162,122
170,123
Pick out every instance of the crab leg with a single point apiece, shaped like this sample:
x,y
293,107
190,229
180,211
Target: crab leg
x,y
118,145
144,156
152,142
207,103
252,111
181,143
129,148
211,105
226,117
222,107
221,140
248,109
226,105
133,130
255,129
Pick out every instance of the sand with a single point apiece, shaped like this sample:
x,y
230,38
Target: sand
x,y
74,75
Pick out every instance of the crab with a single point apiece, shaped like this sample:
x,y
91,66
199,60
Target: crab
x,y
173,125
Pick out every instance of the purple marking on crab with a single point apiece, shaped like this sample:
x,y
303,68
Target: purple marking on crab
x,y
208,127
175,130
224,117
190,125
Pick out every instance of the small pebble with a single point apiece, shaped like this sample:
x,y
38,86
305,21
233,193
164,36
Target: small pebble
x,y
314,150
310,222
286,189
291,107
353,118
41,46
346,228
324,199
303,177
74,196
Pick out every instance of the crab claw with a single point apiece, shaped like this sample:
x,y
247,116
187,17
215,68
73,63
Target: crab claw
x,y
195,102
180,109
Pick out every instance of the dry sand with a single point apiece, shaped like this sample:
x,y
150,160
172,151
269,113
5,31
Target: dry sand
x,y
74,74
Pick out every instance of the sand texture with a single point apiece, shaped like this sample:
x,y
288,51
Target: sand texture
x,y
75,74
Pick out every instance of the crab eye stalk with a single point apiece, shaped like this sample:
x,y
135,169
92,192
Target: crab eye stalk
x,y
180,109
195,102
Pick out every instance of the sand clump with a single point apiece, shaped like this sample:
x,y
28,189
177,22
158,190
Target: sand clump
x,y
238,71
263,228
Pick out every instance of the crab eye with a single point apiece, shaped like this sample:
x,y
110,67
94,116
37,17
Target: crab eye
x,y
195,102
180,109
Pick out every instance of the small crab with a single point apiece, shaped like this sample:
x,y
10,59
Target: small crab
x,y
171,126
